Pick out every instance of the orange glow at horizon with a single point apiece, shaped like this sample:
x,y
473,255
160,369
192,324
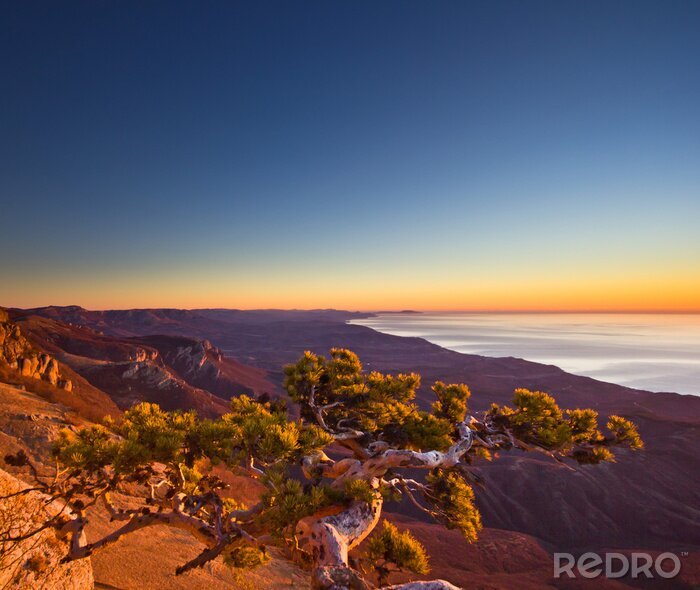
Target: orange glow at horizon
x,y
367,293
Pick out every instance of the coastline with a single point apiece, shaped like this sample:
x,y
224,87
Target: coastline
x,y
650,352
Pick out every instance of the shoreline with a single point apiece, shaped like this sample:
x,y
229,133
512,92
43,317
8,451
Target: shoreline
x,y
649,356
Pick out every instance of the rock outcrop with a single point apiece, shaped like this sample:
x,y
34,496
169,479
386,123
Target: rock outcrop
x,y
20,355
142,354
203,365
34,562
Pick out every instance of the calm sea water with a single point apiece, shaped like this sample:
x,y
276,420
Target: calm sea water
x,y
657,352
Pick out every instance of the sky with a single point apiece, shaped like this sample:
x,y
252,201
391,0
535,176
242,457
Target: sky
x,y
357,155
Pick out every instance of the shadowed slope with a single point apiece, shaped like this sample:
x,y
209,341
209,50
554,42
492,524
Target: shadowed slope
x,y
175,372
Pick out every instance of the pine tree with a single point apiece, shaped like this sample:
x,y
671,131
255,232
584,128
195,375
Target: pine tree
x,y
335,506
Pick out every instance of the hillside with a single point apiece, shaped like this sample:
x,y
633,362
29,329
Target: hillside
x,y
205,366
31,367
175,372
647,500
30,423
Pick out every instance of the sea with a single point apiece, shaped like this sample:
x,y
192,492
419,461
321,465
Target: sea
x,y
655,352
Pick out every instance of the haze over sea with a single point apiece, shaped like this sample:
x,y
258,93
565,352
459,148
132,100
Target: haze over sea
x,y
656,352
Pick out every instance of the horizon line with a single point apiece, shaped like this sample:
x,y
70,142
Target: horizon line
x,y
643,311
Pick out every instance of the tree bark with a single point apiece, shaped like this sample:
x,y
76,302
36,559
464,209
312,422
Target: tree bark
x,y
328,540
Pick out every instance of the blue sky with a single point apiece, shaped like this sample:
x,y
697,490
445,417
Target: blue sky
x,y
358,154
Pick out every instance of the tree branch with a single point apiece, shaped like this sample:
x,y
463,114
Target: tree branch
x,y
205,556
195,526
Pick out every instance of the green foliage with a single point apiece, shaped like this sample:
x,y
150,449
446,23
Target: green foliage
x,y
624,432
217,440
230,504
360,490
540,417
584,425
287,501
264,433
377,404
304,376
537,419
452,401
149,434
312,437
343,372
158,435
421,430
245,557
452,499
191,479
90,448
391,547
593,456
390,389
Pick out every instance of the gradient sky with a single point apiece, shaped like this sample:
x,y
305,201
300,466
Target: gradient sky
x,y
364,155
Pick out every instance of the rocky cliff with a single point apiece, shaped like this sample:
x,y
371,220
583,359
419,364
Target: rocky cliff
x,y
203,365
20,355
175,372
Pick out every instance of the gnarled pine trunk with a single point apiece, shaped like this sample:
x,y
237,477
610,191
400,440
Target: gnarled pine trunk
x,y
329,539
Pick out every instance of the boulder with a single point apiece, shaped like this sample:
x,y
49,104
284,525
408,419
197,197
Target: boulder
x,y
25,367
19,354
44,360
51,373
